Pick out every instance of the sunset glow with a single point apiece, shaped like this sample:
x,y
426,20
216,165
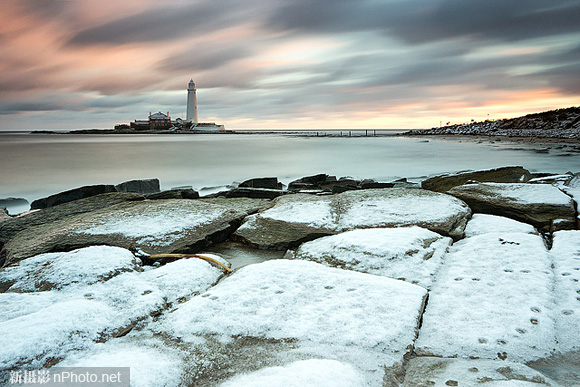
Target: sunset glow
x,y
286,64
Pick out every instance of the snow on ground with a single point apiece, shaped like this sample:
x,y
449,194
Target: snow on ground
x,y
529,193
411,254
401,208
160,227
566,255
49,324
78,267
310,210
440,372
361,319
304,373
485,224
152,363
492,299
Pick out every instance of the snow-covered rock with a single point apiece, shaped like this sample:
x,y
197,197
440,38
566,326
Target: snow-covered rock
x,y
485,224
156,226
295,219
443,183
40,328
152,362
57,270
281,311
303,373
536,204
566,255
493,298
411,254
441,372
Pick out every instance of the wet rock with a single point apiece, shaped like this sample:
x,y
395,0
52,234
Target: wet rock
x,y
264,182
411,254
444,183
371,184
434,371
70,195
255,193
492,299
536,204
168,226
298,218
311,182
145,187
282,311
178,193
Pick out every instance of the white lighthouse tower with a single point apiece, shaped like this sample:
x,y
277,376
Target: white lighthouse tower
x,y
191,103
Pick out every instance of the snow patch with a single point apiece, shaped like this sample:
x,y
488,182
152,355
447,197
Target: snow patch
x,y
304,373
412,254
566,255
485,224
492,298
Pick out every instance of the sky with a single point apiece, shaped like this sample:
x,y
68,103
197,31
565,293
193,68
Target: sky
x,y
286,64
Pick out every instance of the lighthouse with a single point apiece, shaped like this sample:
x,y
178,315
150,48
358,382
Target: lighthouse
x,y
191,103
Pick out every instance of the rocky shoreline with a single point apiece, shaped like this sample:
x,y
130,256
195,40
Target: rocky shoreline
x,y
464,279
562,125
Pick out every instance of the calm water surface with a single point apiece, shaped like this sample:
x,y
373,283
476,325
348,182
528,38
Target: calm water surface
x,y
37,165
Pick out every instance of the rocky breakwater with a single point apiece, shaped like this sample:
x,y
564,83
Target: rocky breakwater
x,y
379,287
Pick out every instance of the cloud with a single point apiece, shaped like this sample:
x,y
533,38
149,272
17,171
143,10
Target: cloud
x,y
424,21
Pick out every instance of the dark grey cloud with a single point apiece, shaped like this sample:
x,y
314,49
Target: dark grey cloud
x,y
424,21
162,23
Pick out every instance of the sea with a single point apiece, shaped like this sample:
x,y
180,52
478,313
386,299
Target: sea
x,y
35,165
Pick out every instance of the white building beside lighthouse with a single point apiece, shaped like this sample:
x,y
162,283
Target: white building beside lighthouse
x,y
191,115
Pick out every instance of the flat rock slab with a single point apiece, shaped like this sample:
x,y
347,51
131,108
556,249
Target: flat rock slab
x,y
440,372
58,270
411,254
537,204
40,328
14,225
298,218
443,183
485,224
493,299
156,226
566,255
281,311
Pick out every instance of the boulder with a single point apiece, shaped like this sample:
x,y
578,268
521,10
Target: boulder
x,y
436,371
492,299
155,226
282,311
444,183
537,204
411,254
264,182
145,187
255,193
298,218
176,193
71,195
